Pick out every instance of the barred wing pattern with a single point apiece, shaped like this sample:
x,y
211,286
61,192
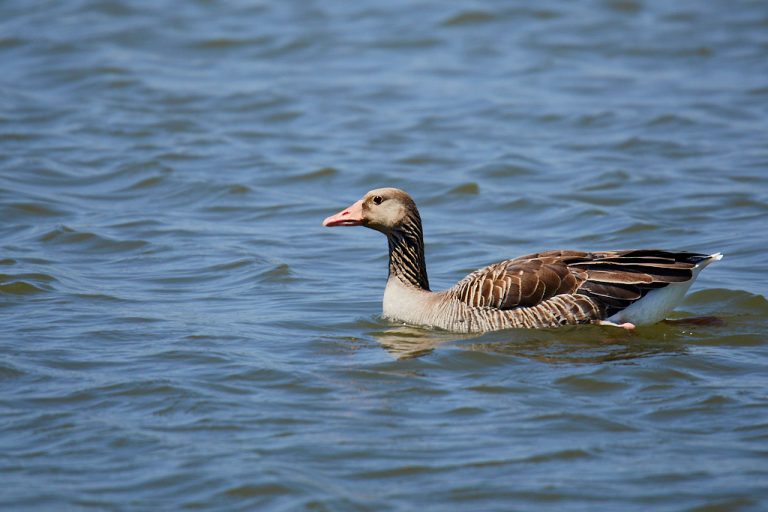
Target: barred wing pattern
x,y
612,280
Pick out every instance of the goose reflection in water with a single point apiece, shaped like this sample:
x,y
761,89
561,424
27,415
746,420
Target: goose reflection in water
x,y
555,346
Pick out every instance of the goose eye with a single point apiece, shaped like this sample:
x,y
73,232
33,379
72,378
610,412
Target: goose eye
x,y
377,200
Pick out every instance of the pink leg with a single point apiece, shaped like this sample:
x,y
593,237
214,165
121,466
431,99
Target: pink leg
x,y
626,325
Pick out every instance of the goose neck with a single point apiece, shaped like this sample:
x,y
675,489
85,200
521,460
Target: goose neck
x,y
406,256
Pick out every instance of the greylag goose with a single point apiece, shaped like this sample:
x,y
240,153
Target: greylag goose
x,y
546,289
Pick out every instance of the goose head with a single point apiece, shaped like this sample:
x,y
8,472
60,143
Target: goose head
x,y
383,209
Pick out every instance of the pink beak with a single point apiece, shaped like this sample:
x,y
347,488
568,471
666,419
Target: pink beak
x,y
352,216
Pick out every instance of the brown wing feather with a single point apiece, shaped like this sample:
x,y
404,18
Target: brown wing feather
x,y
614,280
522,282
617,279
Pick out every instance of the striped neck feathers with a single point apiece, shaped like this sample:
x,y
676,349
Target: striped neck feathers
x,y
406,253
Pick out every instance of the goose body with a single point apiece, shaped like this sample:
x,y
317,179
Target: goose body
x,y
547,289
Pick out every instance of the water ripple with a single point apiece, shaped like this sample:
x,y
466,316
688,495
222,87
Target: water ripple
x,y
180,332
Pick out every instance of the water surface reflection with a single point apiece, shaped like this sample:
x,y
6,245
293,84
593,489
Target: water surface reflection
x,y
579,344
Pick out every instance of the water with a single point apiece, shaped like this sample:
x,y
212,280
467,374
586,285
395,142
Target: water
x,y
179,332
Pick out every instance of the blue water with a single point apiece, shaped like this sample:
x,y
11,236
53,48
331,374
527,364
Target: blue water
x,y
179,331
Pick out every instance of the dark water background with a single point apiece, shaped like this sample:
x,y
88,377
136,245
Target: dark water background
x,y
178,331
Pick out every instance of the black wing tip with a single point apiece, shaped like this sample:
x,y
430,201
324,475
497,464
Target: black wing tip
x,y
686,256
699,258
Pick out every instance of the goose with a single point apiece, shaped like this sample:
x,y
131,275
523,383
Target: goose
x,y
547,289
